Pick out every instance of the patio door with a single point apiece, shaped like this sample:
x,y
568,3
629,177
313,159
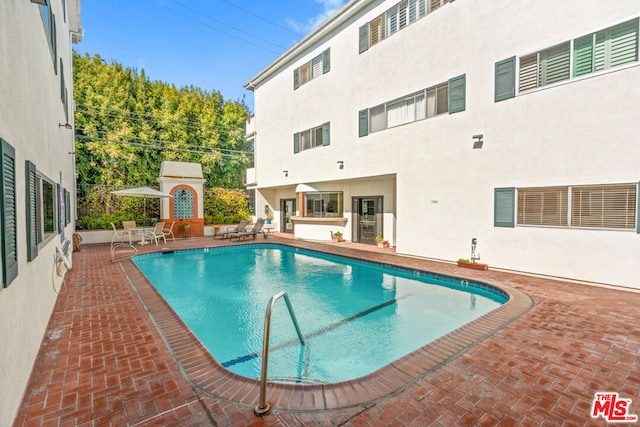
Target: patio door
x,y
287,210
367,219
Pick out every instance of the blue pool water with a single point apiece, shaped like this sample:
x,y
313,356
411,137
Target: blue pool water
x,y
356,316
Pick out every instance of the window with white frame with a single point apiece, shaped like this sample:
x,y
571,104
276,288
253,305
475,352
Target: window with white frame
x,y
448,97
607,206
308,71
609,48
398,17
315,137
42,209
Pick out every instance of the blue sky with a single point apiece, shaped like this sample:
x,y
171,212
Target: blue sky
x,y
212,44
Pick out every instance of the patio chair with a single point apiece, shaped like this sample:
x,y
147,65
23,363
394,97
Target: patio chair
x,y
226,230
124,234
257,228
169,232
157,234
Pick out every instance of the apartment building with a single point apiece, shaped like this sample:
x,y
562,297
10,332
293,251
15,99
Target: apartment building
x,y
430,123
37,178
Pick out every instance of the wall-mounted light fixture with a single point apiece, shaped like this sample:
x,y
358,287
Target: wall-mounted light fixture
x,y
65,125
266,209
477,141
41,2
340,164
286,173
183,194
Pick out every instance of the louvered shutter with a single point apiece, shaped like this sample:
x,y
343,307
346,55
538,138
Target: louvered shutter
x,y
583,55
554,64
363,122
9,220
616,45
504,207
505,79
296,78
528,75
413,11
363,37
402,15
457,86
316,66
392,20
326,134
326,61
296,143
32,213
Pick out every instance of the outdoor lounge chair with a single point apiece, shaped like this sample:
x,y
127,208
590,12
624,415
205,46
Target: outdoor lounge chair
x,y
157,234
226,230
124,234
257,228
169,232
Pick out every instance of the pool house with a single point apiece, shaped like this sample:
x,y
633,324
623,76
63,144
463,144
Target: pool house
x,y
430,123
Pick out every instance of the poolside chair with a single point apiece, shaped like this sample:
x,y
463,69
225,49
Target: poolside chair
x,y
124,234
169,232
226,230
157,234
257,228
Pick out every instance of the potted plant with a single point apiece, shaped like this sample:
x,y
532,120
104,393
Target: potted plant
x,y
462,262
381,242
269,216
186,226
336,237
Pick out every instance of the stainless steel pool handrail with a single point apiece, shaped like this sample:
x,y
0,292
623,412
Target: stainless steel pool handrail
x,y
263,406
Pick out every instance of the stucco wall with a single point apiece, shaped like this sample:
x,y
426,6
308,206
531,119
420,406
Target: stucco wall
x,y
30,113
578,132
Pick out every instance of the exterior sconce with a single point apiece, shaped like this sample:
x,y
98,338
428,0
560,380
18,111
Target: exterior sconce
x,y
286,173
340,164
65,125
40,2
477,143
183,194
266,209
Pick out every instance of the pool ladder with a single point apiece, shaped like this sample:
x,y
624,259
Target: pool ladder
x,y
263,406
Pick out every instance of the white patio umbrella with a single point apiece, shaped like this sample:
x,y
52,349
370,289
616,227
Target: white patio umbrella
x,y
144,192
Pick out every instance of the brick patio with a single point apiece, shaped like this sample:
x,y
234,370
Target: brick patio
x,y
115,354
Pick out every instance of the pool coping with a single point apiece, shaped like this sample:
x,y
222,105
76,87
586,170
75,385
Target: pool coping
x,y
207,375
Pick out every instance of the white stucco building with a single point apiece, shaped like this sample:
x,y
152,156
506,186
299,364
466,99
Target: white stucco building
x,y
38,177
431,123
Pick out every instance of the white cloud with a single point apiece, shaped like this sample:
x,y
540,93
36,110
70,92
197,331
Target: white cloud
x,y
328,6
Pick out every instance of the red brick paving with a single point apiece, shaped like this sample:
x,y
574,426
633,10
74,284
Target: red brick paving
x,y
105,360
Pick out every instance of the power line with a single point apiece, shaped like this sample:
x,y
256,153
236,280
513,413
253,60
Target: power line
x,y
227,25
238,152
156,147
214,28
123,114
260,17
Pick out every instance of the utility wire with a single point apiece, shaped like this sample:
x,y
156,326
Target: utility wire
x,y
156,147
214,28
239,152
260,17
227,25
123,114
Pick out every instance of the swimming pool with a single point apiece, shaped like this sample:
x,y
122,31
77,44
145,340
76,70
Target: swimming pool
x,y
356,316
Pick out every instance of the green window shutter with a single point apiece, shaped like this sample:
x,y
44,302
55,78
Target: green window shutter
x,y
67,207
296,78
554,64
326,61
616,45
9,220
505,79
583,55
296,143
504,207
326,133
364,38
32,219
363,122
457,97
